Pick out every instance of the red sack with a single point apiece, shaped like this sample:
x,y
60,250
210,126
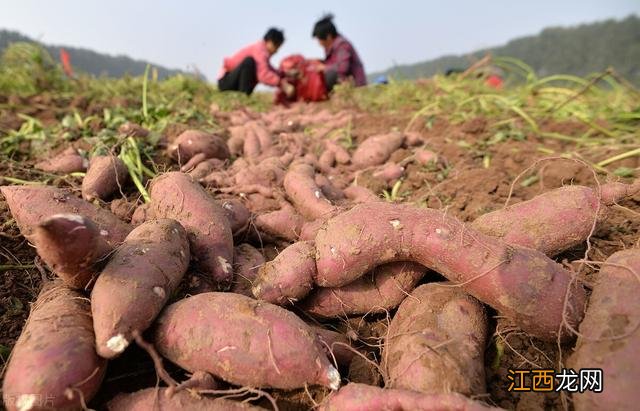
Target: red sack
x,y
306,79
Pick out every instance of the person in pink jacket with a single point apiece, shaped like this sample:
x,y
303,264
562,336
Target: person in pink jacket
x,y
250,66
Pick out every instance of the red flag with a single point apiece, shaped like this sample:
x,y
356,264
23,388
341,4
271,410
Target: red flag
x,y
66,62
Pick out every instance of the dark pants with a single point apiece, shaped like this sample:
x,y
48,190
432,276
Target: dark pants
x,y
330,79
242,78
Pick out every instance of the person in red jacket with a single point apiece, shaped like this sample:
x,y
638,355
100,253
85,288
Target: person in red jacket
x,y
250,66
342,62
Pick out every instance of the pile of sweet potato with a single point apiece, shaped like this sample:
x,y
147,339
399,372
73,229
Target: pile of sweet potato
x,y
243,261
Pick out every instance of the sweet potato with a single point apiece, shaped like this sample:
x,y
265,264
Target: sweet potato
x,y
556,220
333,193
158,399
31,205
436,342
382,289
206,167
289,276
192,142
362,397
251,146
244,342
377,149
341,154
389,173
237,214
137,282
269,172
105,176
326,161
310,228
359,194
54,364
246,262
520,283
425,157
307,197
133,130
609,337
141,214
175,195
335,343
413,138
264,136
68,161
284,223
122,208
71,245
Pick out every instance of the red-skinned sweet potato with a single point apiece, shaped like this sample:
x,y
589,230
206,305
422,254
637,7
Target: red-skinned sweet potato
x,y
382,289
341,154
159,399
377,149
520,283
237,214
335,343
359,194
244,342
137,282
68,161
175,195
389,173
246,262
326,161
288,277
362,397
556,220
307,197
133,130
31,205
54,364
71,245
436,342
284,223
609,337
333,193
105,176
192,142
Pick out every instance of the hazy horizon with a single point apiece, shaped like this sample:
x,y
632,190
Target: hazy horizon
x,y
200,34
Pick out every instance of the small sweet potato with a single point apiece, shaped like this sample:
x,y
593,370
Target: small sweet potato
x,y
609,338
288,277
122,208
175,195
31,205
359,194
425,157
251,147
382,289
236,139
377,149
436,342
159,399
141,214
137,282
105,176
71,245
362,397
246,262
244,342
54,364
341,154
192,142
206,167
333,193
307,197
68,161
284,223
498,274
335,343
310,229
133,130
389,173
556,220
326,161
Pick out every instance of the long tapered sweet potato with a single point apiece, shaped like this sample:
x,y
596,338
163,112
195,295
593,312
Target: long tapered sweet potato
x,y
246,262
158,399
105,176
31,205
175,195
54,364
609,336
72,246
307,197
284,223
244,342
377,149
520,283
436,342
362,397
137,282
288,277
556,220
381,289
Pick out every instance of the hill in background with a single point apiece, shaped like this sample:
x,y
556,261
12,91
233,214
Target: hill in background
x,y
578,50
89,61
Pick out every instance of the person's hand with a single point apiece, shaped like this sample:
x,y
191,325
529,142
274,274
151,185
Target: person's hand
x,y
287,88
